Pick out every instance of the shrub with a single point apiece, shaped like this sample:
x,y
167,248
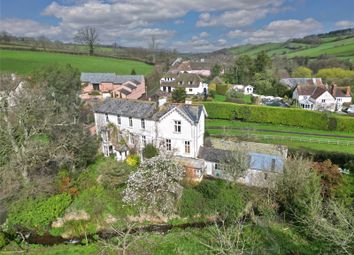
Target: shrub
x,y
179,95
3,240
133,160
192,203
212,87
222,89
330,175
209,189
150,151
37,214
212,93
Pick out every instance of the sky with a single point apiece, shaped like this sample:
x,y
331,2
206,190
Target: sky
x,y
184,25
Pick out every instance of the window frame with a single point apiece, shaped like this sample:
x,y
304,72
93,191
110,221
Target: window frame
x,y
130,122
119,120
177,126
187,147
168,144
142,123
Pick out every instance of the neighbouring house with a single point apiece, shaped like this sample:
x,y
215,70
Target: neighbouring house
x,y
314,98
103,85
245,89
292,83
192,83
174,128
342,95
322,99
265,160
201,68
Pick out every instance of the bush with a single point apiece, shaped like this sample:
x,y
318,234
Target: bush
x,y
211,197
221,89
150,151
37,214
212,87
3,240
212,93
278,115
192,203
133,160
209,189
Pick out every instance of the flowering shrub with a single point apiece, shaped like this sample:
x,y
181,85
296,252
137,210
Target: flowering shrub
x,y
155,186
133,160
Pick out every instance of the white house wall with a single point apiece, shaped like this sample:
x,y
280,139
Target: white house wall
x,y
166,130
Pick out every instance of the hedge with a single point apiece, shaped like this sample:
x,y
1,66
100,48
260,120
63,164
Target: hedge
x,y
221,89
278,115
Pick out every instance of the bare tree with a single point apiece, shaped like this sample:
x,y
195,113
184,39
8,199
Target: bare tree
x,y
227,240
87,36
235,165
122,241
153,47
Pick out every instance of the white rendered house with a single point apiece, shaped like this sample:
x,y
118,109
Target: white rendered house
x,y
314,98
178,128
245,89
192,83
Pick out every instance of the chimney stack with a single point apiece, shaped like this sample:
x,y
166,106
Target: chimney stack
x,y
334,89
348,91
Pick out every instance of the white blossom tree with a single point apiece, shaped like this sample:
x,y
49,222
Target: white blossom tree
x,y
155,186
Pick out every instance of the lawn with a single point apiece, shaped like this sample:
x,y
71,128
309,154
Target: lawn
x,y
23,62
310,140
221,98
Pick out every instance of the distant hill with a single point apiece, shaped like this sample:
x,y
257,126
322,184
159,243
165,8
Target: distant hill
x,y
338,43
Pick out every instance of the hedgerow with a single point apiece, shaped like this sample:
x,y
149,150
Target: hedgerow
x,y
277,115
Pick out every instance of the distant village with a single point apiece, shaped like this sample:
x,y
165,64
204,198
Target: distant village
x,y
178,127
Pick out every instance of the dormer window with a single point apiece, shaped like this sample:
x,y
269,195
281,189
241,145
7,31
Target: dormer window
x,y
180,82
190,82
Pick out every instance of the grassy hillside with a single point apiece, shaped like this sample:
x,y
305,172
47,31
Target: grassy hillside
x,y
23,62
339,46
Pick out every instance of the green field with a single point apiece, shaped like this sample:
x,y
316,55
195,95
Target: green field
x,y
309,139
342,47
23,62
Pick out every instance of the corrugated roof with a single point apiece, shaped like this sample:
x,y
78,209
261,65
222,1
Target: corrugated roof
x,y
109,77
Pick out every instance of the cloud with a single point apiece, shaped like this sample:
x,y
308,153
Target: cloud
x,y
121,16
279,31
238,18
199,43
30,28
345,24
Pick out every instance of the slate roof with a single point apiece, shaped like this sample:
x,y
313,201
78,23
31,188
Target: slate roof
x,y
109,77
183,80
146,109
193,112
128,107
213,155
